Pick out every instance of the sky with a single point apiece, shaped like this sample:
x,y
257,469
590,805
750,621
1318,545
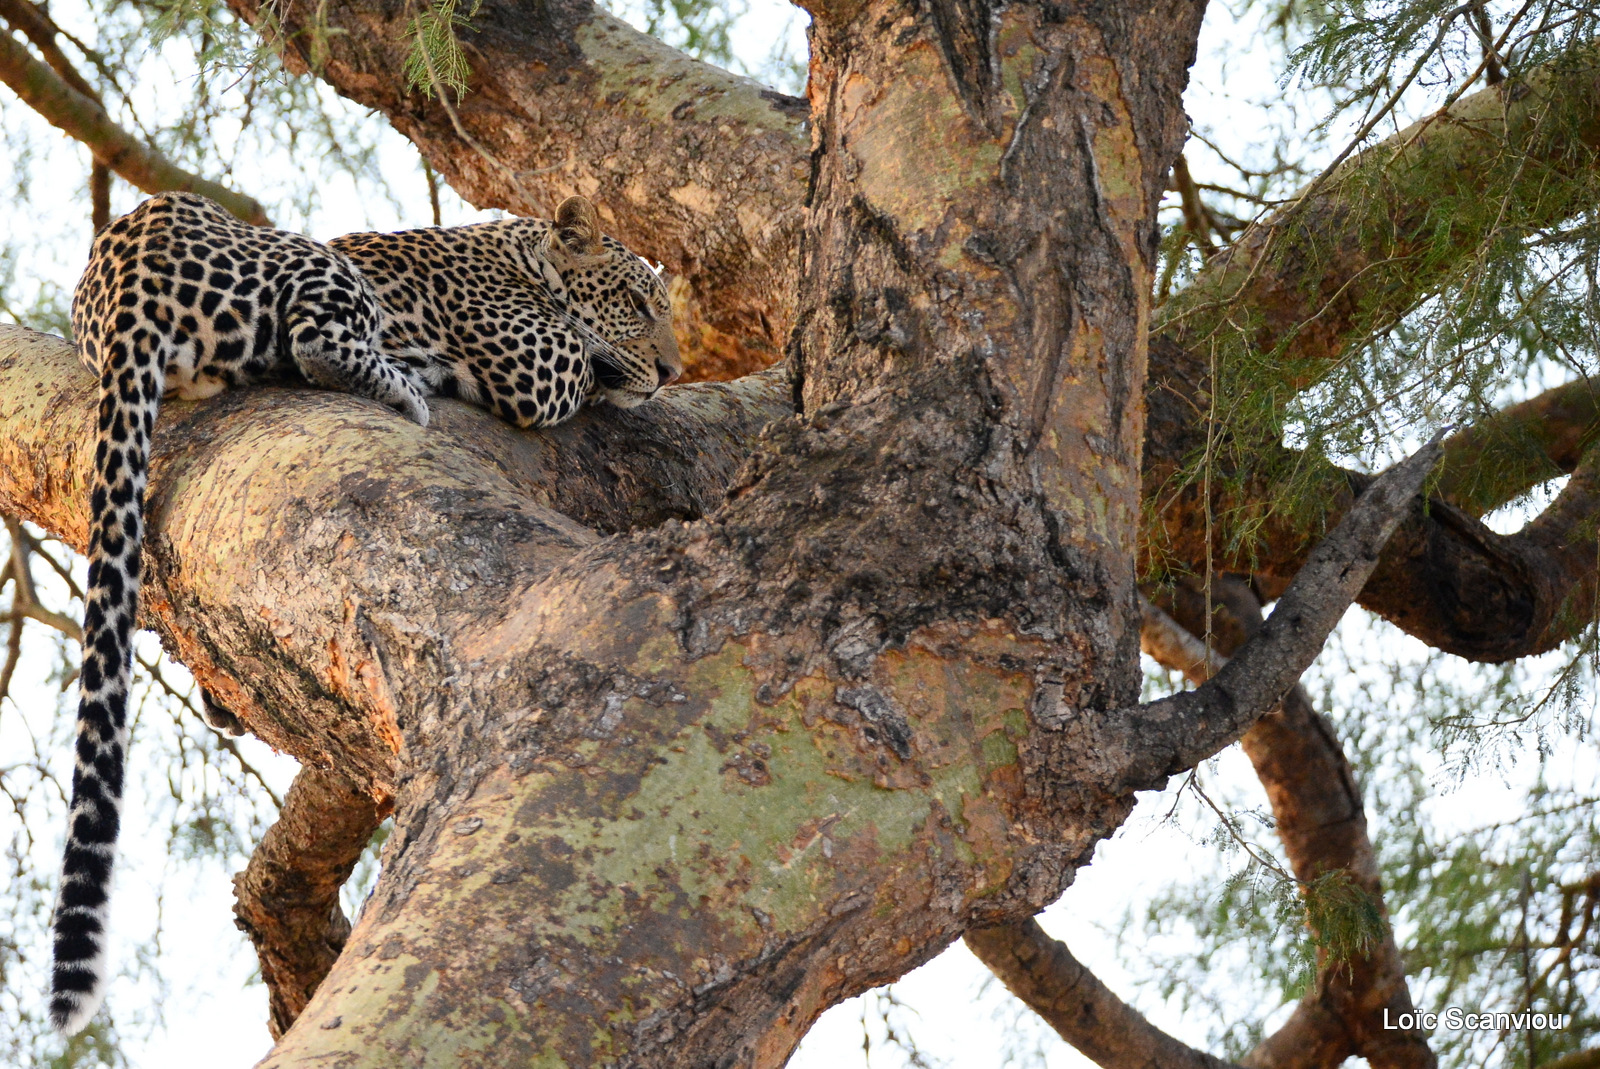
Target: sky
x,y
214,1012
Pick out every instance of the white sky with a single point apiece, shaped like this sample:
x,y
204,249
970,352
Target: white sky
x,y
214,1013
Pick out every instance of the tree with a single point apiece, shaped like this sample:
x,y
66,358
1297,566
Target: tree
x,y
833,664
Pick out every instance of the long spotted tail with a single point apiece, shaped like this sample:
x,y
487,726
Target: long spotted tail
x,y
130,397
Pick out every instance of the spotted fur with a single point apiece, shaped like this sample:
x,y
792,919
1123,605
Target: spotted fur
x,y
531,317
179,298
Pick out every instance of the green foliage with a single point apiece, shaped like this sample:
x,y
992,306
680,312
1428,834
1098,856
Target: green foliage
x,y
1342,919
1489,913
436,61
1328,919
1479,298
96,1045
200,85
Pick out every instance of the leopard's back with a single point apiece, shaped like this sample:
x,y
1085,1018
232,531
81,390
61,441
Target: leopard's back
x,y
530,317
506,344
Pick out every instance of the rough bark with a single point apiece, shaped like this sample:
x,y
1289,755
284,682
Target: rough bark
x,y
1464,589
287,898
700,782
704,780
237,629
849,638
1176,732
1347,261
700,169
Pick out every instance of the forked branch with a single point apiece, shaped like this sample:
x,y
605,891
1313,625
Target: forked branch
x,y
1174,733
1320,819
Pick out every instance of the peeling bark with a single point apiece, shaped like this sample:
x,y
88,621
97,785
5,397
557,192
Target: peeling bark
x,y
677,178
700,781
673,769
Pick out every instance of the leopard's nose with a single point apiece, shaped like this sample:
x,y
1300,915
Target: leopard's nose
x,y
666,374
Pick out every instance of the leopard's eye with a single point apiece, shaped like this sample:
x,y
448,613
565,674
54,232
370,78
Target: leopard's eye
x,y
640,304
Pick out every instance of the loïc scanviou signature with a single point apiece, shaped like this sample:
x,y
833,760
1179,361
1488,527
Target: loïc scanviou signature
x,y
1456,1019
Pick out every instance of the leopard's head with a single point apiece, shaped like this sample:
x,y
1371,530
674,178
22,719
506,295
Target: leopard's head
x,y
618,296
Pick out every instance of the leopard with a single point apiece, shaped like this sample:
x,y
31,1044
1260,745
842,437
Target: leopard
x,y
528,318
534,317
181,299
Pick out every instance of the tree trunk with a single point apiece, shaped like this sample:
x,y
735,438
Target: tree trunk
x,y
682,793
662,799
708,172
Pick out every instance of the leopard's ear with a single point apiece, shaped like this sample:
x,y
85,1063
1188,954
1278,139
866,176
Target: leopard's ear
x,y
578,227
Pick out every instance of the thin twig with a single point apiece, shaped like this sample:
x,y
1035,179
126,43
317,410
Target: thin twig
x,y
83,118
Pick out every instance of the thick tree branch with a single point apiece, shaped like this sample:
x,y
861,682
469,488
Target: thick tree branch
x,y
485,484
1320,818
681,455
534,687
81,117
689,164
1445,577
39,28
711,778
1365,247
1519,447
287,898
1468,590
1042,972
690,202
